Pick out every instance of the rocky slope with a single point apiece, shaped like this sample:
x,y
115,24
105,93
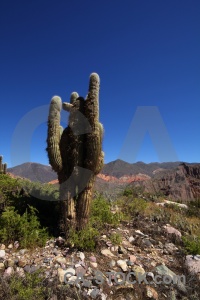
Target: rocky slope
x,y
173,180
148,264
182,183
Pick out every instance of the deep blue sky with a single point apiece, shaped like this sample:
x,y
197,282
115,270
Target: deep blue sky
x,y
147,53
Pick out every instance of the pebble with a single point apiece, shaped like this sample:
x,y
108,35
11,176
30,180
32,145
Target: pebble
x,y
123,265
107,253
2,253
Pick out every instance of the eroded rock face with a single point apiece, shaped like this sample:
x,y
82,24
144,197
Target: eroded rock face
x,y
182,183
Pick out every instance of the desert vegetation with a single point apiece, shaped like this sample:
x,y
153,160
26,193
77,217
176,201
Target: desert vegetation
x,y
32,222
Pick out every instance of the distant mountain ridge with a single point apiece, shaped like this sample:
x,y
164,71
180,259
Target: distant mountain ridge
x,y
34,172
173,179
118,168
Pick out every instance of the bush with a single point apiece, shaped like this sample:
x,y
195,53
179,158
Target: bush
x,y
116,238
84,239
192,244
132,207
10,190
101,214
29,287
25,229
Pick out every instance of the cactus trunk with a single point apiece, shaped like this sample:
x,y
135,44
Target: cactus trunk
x,y
3,167
75,153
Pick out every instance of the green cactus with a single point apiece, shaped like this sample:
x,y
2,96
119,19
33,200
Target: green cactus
x,y
75,153
3,167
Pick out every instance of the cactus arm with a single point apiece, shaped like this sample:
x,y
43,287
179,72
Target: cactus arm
x,y
93,139
1,165
53,138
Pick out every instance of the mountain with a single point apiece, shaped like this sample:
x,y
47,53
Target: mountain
x,y
34,172
180,183
172,179
118,169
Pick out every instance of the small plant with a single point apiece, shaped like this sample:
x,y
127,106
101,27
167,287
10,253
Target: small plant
x,y
84,239
26,228
192,244
116,238
101,213
29,287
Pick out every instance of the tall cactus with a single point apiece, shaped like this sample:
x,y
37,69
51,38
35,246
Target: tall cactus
x,y
75,153
3,167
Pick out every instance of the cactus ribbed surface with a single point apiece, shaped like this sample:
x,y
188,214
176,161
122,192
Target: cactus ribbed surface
x,y
75,153
3,167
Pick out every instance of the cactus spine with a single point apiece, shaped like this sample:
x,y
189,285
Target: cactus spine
x,y
75,153
3,167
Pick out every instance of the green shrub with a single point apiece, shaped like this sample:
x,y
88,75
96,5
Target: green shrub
x,y
101,214
10,189
192,244
132,207
116,238
84,239
28,288
25,229
193,208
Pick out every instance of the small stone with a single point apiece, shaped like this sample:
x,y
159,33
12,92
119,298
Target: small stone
x,y
20,272
81,255
109,244
72,279
27,268
122,264
60,260
171,230
55,252
107,253
3,247
114,248
70,272
34,269
129,263
9,263
23,251
87,283
132,258
9,271
150,275
93,259
80,271
22,263
139,271
10,246
151,293
61,275
192,264
16,244
104,236
139,232
131,239
2,266
170,247
112,263
2,253
147,243
93,264
122,250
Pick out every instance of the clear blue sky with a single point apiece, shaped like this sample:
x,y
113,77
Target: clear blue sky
x,y
147,53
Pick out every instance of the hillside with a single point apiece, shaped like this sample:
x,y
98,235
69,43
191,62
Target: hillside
x,y
34,172
182,183
117,168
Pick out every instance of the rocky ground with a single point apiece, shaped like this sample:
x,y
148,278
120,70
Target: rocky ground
x,y
148,264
